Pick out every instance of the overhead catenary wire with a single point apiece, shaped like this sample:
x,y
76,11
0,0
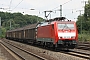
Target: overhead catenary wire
x,y
10,4
61,7
66,2
17,5
62,4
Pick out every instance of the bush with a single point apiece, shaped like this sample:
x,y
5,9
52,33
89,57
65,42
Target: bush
x,y
84,37
2,32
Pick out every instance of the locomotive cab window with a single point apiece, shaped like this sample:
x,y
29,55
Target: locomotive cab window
x,y
66,26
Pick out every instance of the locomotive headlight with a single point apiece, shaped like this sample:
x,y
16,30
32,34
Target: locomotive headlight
x,y
73,37
60,37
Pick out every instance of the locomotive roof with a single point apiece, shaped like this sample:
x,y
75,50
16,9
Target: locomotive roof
x,y
57,19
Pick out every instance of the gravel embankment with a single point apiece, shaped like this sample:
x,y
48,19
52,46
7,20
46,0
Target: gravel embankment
x,y
47,54
4,55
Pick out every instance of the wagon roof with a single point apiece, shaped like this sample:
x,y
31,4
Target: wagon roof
x,y
15,29
30,26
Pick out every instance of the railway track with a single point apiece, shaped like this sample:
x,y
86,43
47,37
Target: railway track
x,y
82,51
21,53
76,53
83,46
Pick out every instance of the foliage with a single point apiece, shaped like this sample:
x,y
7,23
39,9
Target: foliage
x,y
17,20
2,32
84,19
84,37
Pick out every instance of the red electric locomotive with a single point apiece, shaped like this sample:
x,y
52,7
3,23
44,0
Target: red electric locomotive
x,y
58,33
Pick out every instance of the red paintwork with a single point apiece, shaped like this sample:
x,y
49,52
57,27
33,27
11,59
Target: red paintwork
x,y
48,32
71,31
45,32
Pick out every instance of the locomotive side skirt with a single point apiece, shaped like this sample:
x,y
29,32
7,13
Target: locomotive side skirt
x,y
45,39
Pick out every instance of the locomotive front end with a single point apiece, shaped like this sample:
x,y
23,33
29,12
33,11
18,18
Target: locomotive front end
x,y
67,34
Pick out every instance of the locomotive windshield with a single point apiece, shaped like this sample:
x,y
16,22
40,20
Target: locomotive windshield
x,y
65,26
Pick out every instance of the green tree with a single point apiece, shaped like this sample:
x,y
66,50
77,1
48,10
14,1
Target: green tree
x,y
17,20
87,11
85,19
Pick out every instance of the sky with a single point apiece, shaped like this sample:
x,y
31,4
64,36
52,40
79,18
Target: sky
x,y
70,8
